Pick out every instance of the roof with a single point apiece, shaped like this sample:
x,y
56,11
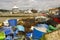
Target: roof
x,y
15,6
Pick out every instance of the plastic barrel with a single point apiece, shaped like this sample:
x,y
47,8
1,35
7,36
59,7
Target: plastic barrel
x,y
37,34
12,22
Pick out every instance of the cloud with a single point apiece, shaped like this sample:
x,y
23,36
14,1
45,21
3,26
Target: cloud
x,y
28,4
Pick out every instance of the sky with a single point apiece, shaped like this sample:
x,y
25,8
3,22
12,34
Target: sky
x,y
29,4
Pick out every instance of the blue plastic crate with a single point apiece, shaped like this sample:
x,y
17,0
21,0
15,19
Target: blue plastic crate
x,y
12,22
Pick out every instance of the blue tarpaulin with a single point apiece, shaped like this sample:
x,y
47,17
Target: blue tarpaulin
x,y
8,30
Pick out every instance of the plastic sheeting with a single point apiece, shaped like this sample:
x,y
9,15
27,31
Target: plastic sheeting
x,y
20,28
8,30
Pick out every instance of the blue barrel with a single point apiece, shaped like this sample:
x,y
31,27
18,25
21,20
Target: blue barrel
x,y
12,22
37,34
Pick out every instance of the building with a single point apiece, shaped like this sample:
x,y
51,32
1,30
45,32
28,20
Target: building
x,y
15,9
27,11
53,11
